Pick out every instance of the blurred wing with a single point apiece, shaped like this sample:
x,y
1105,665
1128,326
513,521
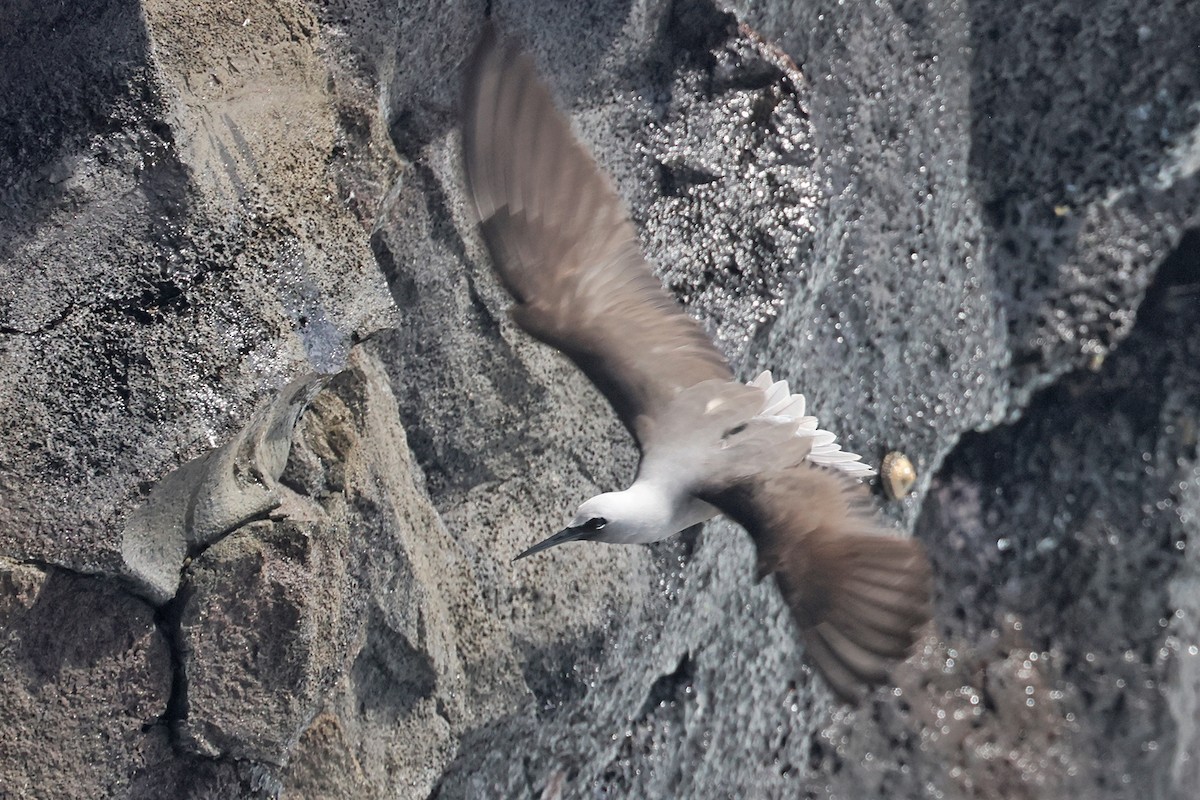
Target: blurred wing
x,y
857,594
714,434
564,247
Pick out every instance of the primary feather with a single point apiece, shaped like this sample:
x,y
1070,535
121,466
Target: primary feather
x,y
564,247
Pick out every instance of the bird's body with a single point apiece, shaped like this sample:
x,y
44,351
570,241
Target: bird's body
x,y
660,503
564,248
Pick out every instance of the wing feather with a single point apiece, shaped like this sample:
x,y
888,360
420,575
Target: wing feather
x,y
564,247
858,595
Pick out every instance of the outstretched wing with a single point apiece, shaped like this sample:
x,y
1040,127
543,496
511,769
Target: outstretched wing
x,y
858,594
564,247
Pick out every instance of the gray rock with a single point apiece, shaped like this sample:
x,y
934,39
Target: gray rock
x,y
1074,523
151,300
87,675
923,214
257,630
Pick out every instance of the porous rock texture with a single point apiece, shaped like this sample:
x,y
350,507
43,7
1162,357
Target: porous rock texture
x,y
270,440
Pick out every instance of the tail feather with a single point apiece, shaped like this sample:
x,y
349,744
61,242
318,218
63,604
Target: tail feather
x,y
860,601
869,666
845,682
882,618
897,598
890,579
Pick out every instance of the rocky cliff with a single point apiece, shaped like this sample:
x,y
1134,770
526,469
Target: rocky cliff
x,y
270,440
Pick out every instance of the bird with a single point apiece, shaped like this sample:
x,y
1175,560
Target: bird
x,y
564,248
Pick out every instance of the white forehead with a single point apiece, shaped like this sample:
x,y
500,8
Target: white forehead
x,y
602,505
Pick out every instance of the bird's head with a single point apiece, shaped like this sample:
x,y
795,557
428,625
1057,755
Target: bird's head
x,y
609,517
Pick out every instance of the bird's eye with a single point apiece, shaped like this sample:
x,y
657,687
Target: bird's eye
x,y
595,523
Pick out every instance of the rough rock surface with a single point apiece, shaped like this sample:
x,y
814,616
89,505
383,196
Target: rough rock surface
x,y
86,676
270,440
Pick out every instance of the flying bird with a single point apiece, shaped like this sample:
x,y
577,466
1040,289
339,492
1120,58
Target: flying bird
x,y
565,249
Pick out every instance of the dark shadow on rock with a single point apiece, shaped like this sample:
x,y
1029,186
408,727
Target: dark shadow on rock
x,y
1067,522
452,447
73,72
668,690
1051,137
390,675
193,778
469,774
57,637
558,675
67,67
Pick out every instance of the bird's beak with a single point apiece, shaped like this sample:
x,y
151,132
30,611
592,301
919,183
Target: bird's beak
x,y
565,535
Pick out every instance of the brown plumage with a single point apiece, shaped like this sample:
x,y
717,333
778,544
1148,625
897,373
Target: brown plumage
x,y
564,248
858,595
